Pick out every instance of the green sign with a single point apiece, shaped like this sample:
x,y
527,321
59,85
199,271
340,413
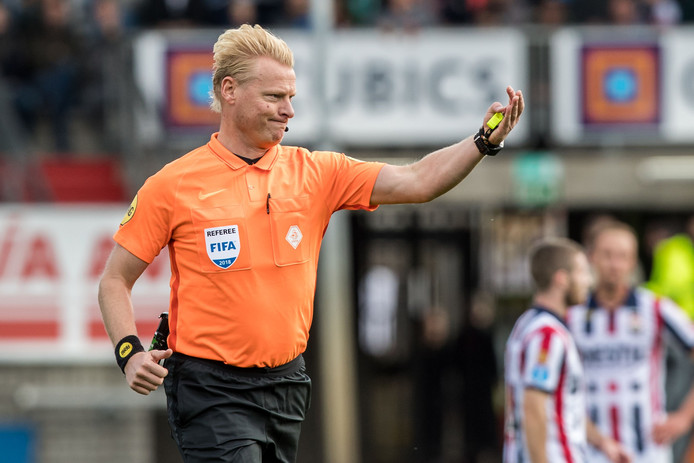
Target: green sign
x,y
538,178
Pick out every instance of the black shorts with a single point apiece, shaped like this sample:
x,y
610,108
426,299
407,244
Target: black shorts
x,y
221,413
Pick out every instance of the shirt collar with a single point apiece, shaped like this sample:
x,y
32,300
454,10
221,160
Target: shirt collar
x,y
629,301
233,161
540,309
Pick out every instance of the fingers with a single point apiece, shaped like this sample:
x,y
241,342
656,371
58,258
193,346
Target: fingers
x,y
658,433
661,436
663,433
521,102
148,375
146,380
515,107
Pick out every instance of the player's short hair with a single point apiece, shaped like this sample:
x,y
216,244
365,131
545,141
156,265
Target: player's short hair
x,y
607,225
235,52
550,255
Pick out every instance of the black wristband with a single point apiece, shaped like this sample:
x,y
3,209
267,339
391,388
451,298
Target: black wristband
x,y
126,348
484,145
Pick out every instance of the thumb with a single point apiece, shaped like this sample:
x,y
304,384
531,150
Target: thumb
x,y
497,107
158,355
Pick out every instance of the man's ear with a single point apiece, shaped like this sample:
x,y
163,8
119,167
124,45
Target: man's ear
x,y
228,88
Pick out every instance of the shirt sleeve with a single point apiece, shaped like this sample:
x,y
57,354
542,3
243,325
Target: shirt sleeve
x,y
677,322
145,229
543,360
352,181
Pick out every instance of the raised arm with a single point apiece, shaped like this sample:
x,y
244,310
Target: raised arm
x,y
438,172
142,370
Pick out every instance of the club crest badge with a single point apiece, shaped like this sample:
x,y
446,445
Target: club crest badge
x,y
294,236
223,245
130,213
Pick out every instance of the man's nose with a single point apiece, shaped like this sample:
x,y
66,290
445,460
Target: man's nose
x,y
287,109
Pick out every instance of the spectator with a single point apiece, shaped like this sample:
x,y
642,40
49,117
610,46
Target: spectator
x,y
687,7
665,12
490,12
454,12
624,12
270,12
357,12
46,69
551,12
242,12
107,53
407,15
181,13
589,11
297,14
7,39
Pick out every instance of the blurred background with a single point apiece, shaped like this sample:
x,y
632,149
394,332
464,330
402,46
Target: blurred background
x,y
414,302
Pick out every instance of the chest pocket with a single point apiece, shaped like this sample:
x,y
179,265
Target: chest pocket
x,y
222,238
289,227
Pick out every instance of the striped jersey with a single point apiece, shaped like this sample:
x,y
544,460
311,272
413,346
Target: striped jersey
x,y
623,358
541,354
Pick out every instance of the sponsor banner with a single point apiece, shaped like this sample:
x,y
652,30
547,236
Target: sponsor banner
x,y
627,87
51,260
678,85
427,88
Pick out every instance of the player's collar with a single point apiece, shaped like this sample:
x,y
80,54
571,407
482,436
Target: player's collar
x,y
540,309
629,301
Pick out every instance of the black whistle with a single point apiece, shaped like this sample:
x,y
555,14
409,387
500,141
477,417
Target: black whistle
x,y
159,339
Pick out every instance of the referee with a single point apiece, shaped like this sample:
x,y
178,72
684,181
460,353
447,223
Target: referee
x,y
243,218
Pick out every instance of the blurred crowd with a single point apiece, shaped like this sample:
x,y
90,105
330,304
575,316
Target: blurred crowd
x,y
58,57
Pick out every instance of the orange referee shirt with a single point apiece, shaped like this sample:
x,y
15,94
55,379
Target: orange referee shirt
x,y
243,242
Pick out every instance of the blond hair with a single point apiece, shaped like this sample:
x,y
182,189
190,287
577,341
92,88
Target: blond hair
x,y
549,256
235,52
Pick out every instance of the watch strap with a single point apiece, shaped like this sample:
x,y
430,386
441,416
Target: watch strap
x,y
484,146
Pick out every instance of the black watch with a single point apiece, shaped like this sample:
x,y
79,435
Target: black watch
x,y
484,146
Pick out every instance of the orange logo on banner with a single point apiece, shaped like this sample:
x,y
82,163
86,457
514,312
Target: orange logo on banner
x,y
621,85
184,69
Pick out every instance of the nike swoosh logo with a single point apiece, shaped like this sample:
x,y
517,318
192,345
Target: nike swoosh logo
x,y
202,196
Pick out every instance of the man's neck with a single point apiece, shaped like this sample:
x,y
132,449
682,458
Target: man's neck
x,y
236,146
611,297
552,303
